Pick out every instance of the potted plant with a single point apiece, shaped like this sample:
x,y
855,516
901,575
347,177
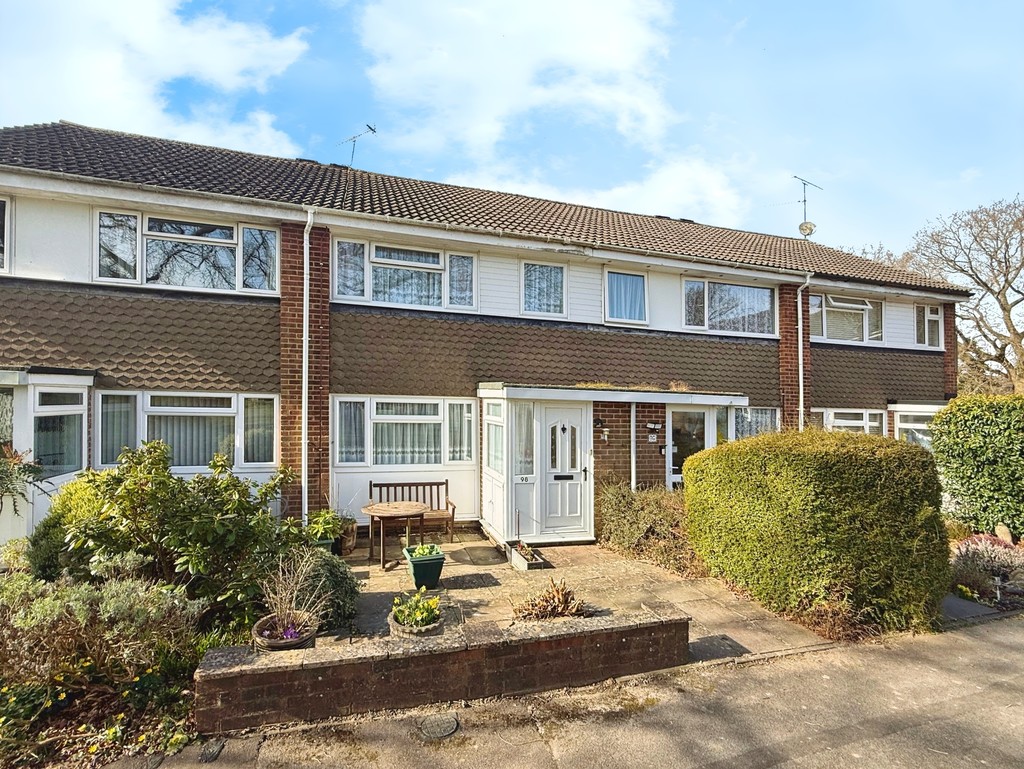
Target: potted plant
x,y
416,615
325,527
425,564
347,540
295,604
523,557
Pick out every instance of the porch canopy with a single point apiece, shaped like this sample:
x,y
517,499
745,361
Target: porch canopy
x,y
608,393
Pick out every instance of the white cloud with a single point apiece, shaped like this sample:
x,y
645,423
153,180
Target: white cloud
x,y
107,63
684,186
467,69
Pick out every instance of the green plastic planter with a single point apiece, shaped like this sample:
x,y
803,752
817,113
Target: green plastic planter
x,y
425,569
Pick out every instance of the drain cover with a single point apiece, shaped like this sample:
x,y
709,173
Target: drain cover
x,y
439,726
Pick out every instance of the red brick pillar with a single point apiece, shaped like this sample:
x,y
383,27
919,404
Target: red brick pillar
x,y
789,382
319,363
949,360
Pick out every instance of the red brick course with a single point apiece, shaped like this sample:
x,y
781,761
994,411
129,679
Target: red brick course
x,y
949,360
789,361
319,362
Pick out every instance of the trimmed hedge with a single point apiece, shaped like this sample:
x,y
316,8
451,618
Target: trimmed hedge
x,y
841,531
649,524
978,442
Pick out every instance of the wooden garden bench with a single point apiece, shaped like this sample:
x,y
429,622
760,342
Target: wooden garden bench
x,y
431,493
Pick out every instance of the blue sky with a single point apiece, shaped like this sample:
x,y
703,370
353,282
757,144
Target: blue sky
x,y
902,111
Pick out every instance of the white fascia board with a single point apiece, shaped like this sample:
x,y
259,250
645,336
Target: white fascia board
x,y
61,380
514,392
820,285
12,378
917,408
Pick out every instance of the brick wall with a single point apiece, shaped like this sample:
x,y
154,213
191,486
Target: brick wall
x,y
949,360
650,462
319,362
789,384
236,691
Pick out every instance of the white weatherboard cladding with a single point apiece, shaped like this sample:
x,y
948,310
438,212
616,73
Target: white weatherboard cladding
x,y
499,285
899,324
585,300
52,240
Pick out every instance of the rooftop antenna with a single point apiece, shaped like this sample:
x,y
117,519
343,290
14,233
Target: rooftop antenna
x,y
369,130
806,228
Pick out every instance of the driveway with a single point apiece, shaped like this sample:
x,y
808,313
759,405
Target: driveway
x,y
949,700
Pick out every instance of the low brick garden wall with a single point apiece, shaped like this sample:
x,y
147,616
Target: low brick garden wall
x,y
237,688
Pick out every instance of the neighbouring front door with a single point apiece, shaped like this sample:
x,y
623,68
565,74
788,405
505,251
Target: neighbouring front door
x,y
688,430
565,468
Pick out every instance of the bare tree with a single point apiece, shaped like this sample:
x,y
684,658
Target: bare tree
x,y
982,250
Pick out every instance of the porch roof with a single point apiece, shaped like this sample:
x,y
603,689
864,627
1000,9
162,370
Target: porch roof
x,y
608,393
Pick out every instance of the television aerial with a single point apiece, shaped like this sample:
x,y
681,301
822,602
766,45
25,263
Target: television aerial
x,y
807,227
370,129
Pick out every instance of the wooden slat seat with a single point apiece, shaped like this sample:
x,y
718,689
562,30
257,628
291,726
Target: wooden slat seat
x,y
432,493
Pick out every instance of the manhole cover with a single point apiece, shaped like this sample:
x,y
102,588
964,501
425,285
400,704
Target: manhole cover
x,y
439,726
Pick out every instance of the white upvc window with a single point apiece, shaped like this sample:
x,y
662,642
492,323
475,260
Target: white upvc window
x,y
494,436
625,297
754,420
728,307
869,421
58,443
5,234
543,288
403,276
928,323
846,318
398,432
172,252
195,425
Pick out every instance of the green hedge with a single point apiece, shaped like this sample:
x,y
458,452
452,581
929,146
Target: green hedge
x,y
648,524
839,530
978,442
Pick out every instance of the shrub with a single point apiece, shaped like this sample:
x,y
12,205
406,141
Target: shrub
x,y
339,587
557,600
839,530
14,554
17,475
990,555
48,553
649,524
957,530
978,442
417,610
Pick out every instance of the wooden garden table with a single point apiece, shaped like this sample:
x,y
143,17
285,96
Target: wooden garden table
x,y
394,511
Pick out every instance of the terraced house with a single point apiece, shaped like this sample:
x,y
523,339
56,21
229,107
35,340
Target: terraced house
x,y
357,326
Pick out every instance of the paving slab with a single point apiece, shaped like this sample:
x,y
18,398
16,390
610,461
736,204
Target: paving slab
x,y
955,608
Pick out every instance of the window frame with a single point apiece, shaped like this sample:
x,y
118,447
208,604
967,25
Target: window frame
x,y
705,328
144,409
564,267
828,419
850,304
370,418
5,233
370,259
606,287
142,233
81,409
734,411
939,316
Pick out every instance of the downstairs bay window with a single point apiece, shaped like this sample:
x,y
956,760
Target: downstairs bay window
x,y
404,432
196,426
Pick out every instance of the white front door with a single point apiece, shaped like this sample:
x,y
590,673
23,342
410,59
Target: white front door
x,y
690,430
565,468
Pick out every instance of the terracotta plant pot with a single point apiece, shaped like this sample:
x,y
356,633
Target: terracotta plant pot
x,y
304,641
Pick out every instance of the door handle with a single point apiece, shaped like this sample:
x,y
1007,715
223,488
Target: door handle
x,y
584,474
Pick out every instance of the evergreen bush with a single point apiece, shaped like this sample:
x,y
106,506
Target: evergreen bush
x,y
839,530
978,442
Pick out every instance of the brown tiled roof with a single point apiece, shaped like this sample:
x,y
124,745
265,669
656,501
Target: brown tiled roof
x,y
405,353
141,340
89,152
846,377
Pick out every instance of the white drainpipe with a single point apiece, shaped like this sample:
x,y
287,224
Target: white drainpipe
x,y
800,347
632,446
305,365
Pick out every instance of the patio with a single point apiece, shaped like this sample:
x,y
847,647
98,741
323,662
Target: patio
x,y
480,586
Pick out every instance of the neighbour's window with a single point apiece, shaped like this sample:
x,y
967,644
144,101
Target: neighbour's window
x,y
929,325
3,234
404,432
626,297
59,431
195,426
850,420
187,254
845,318
728,307
6,418
405,276
544,288
754,421
914,428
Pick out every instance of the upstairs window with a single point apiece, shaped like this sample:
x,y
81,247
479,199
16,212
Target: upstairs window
x,y
626,297
3,235
728,307
845,318
929,325
186,254
403,276
544,288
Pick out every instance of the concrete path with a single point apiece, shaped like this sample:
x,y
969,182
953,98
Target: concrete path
x,y
938,701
